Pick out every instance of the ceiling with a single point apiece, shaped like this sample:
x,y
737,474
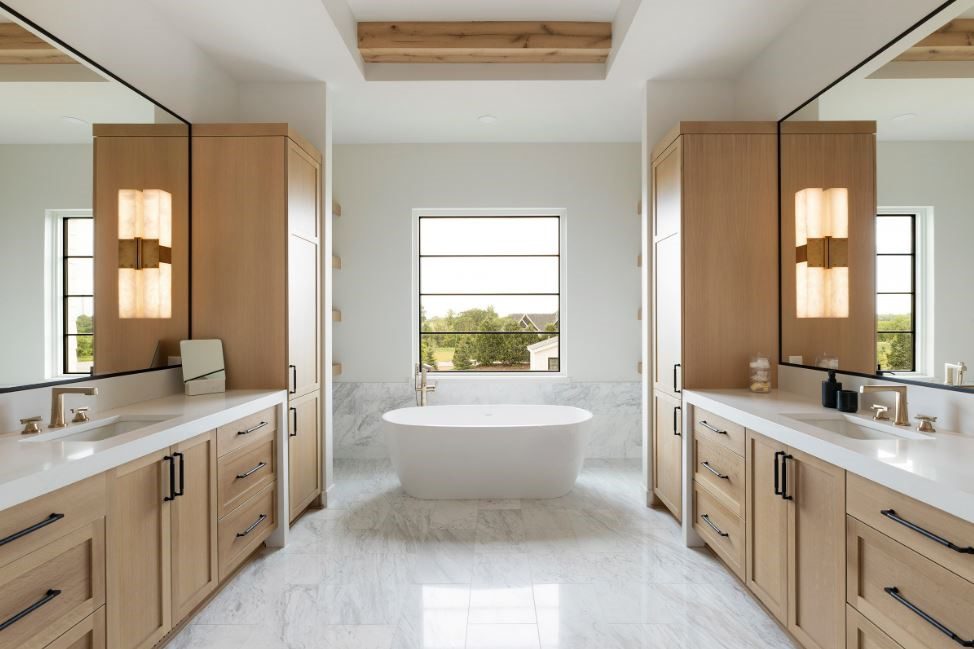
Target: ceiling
x,y
295,40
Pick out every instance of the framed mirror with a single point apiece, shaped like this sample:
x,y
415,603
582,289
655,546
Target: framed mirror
x,y
877,213
94,217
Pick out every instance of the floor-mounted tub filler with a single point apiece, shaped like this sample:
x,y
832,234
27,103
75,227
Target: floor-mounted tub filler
x,y
502,451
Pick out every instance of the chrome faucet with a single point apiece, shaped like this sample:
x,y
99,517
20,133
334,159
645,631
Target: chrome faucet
x,y
902,416
423,388
57,403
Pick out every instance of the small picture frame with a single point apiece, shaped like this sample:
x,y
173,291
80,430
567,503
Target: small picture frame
x,y
203,367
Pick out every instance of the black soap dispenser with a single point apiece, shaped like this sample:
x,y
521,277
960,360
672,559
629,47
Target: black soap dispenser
x,y
830,391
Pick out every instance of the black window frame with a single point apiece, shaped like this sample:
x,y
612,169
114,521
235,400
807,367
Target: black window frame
x,y
66,294
419,289
912,331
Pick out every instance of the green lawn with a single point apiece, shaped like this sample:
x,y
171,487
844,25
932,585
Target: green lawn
x,y
443,354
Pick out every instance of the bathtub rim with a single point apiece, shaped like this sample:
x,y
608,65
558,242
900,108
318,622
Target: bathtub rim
x,y
588,416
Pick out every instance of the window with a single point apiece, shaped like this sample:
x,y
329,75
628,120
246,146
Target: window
x,y
489,289
77,295
896,293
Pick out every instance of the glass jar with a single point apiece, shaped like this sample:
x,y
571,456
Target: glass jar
x,y
760,374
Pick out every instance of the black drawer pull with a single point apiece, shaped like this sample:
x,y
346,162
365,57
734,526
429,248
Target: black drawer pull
x,y
253,526
717,473
891,514
293,388
677,410
784,476
172,478
676,389
894,592
712,428
711,525
250,472
182,474
53,518
48,596
252,428
777,474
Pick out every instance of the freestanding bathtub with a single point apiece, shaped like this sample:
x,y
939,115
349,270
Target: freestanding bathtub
x,y
502,451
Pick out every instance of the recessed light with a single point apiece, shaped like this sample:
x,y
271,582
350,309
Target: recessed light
x,y
904,117
487,119
75,120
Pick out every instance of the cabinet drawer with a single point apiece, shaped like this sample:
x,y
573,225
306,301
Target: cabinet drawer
x,y
35,523
245,529
242,432
863,634
903,518
710,427
720,528
243,473
905,594
722,471
89,633
45,593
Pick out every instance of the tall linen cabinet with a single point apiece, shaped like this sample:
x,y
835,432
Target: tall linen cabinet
x,y
715,273
256,242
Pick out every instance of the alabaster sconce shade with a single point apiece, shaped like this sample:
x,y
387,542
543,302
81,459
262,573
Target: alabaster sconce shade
x,y
144,253
822,252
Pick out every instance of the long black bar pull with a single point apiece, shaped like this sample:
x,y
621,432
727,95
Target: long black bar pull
x,y
182,474
891,514
784,476
894,592
172,478
16,617
777,473
53,518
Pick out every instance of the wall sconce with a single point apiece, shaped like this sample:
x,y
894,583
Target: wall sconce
x,y
144,253
822,252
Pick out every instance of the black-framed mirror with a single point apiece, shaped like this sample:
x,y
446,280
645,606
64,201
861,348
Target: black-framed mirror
x,y
94,217
877,213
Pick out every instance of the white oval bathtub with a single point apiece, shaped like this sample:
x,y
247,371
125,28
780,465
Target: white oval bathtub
x,y
503,451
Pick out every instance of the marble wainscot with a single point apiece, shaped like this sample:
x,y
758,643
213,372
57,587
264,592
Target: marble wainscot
x,y
614,432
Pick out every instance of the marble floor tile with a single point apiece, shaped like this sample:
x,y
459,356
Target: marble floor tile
x,y
433,617
500,530
454,515
500,569
503,636
502,605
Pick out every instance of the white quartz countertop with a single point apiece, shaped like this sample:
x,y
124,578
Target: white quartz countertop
x,y
937,471
29,469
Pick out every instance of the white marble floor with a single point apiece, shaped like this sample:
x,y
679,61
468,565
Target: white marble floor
x,y
380,570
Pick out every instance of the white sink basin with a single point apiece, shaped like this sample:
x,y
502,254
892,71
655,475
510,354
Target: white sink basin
x,y
857,427
98,430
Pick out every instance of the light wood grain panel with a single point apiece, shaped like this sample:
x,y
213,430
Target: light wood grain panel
x,y
718,430
139,162
195,571
727,540
668,452
304,315
730,206
863,634
245,472
87,634
141,130
952,42
262,129
799,127
712,128
832,160
304,452
728,487
668,340
74,565
245,529
766,527
18,46
245,431
485,42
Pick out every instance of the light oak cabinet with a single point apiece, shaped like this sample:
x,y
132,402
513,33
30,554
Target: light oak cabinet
x,y
668,452
304,439
257,267
161,540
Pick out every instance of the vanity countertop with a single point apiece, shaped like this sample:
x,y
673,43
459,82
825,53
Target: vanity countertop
x,y
29,469
935,471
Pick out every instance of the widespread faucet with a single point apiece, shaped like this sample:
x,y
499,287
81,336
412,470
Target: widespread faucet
x,y
902,415
423,388
57,403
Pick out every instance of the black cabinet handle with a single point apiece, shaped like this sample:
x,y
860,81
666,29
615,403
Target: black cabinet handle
x,y
252,428
777,473
784,476
294,421
717,473
253,526
894,592
675,388
48,596
676,419
713,526
712,428
294,379
182,474
172,478
891,514
53,518
252,471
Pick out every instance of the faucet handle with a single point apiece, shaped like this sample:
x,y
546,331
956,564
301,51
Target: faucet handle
x,y
926,423
80,415
30,425
881,412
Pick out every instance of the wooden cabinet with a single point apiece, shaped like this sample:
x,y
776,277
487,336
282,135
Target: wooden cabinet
x,y
863,634
304,439
668,452
668,341
161,540
767,525
257,265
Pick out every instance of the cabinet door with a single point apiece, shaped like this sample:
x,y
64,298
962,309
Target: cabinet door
x,y
816,551
767,525
668,316
194,515
668,453
303,321
304,453
139,590
668,191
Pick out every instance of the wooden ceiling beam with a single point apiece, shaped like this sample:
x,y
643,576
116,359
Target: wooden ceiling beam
x,y
484,42
952,42
19,46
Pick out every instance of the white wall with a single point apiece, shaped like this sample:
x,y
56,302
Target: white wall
x,y
379,186
938,174
33,178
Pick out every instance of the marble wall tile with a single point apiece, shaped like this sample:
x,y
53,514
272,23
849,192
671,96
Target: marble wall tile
x,y
615,427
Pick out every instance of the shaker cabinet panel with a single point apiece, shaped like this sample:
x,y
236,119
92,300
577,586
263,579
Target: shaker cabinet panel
x,y
767,524
668,453
304,453
668,308
303,321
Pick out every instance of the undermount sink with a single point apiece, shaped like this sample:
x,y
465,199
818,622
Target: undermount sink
x,y
857,427
98,430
